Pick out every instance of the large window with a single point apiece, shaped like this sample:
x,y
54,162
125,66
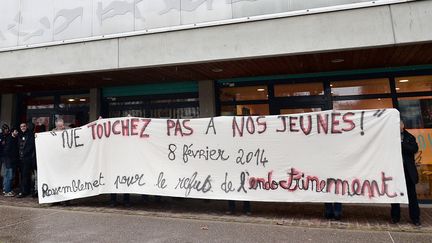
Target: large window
x,y
245,110
364,104
156,107
37,103
411,94
416,112
74,101
298,110
360,87
299,89
244,93
361,94
43,111
244,100
414,84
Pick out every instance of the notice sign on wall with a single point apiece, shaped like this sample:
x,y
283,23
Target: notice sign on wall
x,y
329,156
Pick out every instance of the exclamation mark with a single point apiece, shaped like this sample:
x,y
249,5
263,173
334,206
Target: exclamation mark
x,y
361,123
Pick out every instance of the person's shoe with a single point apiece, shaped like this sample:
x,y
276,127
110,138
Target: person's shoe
x,y
9,194
337,217
248,213
417,223
113,204
329,216
394,221
21,195
229,212
127,205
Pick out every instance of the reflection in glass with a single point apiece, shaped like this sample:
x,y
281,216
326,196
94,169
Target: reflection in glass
x,y
176,108
413,84
360,87
298,110
362,104
245,110
416,112
46,102
244,93
302,89
74,101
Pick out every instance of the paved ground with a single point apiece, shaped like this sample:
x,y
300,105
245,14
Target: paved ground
x,y
54,225
23,220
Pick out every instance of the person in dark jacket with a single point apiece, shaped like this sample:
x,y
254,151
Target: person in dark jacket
x,y
1,147
26,158
10,155
409,149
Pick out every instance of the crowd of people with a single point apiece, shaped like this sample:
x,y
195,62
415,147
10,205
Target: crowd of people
x,y
19,170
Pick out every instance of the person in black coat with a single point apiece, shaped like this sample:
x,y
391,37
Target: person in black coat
x,y
10,156
26,158
2,142
409,149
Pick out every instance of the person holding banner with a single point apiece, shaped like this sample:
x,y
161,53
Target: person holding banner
x,y
59,126
2,138
26,157
409,149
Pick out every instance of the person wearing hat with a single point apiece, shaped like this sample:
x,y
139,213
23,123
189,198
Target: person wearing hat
x,y
10,155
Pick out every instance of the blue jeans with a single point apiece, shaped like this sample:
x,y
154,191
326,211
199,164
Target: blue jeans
x,y
333,210
7,180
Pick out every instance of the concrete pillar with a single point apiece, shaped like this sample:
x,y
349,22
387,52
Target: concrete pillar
x,y
207,100
8,109
95,104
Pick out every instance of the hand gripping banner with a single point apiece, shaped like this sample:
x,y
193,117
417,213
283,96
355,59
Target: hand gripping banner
x,y
329,156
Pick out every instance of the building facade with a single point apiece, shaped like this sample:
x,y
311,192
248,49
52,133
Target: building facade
x,y
81,59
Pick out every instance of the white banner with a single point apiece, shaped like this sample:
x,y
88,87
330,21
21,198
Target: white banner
x,y
330,156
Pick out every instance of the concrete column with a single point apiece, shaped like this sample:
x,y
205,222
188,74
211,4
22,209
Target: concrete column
x,y
8,109
207,100
95,104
